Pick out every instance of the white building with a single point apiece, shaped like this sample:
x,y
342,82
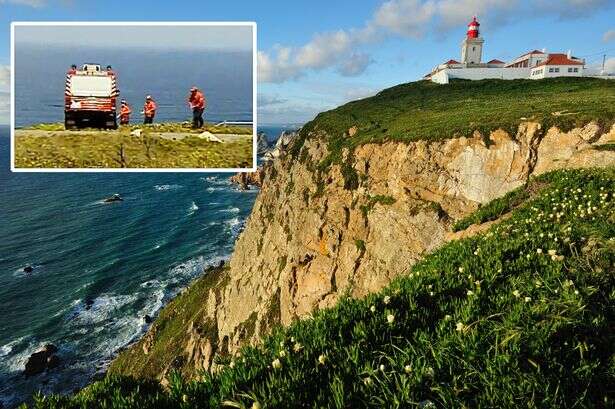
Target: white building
x,y
532,65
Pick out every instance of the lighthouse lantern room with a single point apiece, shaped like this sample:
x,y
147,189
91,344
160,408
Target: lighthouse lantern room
x,y
472,46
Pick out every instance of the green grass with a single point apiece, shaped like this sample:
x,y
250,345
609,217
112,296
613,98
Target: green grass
x,y
183,127
521,315
118,149
427,111
169,330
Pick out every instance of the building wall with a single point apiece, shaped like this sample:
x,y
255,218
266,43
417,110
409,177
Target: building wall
x,y
443,76
551,71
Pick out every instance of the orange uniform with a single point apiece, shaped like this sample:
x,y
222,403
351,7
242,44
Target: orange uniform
x,y
149,109
125,112
197,100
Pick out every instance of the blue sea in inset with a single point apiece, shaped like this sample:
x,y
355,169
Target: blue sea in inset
x,y
99,268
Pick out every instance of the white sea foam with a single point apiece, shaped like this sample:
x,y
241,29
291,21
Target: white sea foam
x,y
230,210
162,188
193,209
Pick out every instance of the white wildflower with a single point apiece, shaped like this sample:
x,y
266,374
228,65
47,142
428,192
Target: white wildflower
x,y
390,318
322,359
297,347
407,369
382,367
527,299
516,293
460,326
282,353
276,364
386,300
372,308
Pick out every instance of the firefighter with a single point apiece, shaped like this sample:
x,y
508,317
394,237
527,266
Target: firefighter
x,y
72,70
197,103
149,110
125,112
109,70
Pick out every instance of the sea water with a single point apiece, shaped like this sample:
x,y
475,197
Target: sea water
x,y
99,268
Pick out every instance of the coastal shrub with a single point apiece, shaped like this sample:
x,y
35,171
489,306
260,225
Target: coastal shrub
x,y
518,316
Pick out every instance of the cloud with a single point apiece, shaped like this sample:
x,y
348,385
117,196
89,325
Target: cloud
x,y
405,18
268,100
355,64
609,36
609,65
29,3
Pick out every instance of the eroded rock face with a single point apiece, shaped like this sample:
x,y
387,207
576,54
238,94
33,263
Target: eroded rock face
x,y
42,361
308,241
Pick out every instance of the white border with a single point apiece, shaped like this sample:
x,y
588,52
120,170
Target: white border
x,y
135,23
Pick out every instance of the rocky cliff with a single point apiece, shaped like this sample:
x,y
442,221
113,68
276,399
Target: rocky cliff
x,y
317,233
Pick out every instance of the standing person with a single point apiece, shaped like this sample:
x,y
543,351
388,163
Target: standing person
x,y
197,103
125,112
149,110
72,70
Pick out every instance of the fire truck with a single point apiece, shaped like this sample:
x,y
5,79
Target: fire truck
x,y
90,98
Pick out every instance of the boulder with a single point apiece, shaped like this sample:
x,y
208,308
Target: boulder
x,y
42,360
28,269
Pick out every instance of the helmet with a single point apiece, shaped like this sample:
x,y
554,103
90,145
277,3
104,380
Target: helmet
x,y
123,101
193,89
148,97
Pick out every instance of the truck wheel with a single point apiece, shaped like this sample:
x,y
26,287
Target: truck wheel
x,y
70,123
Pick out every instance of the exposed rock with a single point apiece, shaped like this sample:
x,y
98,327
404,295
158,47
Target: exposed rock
x,y
281,144
42,360
246,179
28,269
353,131
309,239
261,143
147,319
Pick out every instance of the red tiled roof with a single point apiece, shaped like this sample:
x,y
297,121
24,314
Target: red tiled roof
x,y
495,61
559,59
452,62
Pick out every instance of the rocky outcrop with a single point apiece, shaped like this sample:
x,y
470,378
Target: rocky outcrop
x,y
42,361
261,143
312,238
281,144
245,180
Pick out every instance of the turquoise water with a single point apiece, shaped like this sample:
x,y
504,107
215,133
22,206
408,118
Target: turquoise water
x,y
99,268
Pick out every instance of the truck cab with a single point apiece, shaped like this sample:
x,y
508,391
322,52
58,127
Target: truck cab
x,y
90,98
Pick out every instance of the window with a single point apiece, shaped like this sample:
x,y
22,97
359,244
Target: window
x,y
473,48
576,70
569,69
557,70
551,70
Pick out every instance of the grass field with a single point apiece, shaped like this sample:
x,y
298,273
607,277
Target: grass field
x,y
427,111
160,146
518,316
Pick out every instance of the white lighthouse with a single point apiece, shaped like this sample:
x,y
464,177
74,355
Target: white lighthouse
x,y
472,46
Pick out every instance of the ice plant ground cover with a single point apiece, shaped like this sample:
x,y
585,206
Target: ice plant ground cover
x,y
521,315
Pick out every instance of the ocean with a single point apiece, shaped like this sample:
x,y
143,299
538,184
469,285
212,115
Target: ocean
x,y
225,78
100,268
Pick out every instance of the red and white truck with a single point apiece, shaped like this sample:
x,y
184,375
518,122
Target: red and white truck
x,y
90,98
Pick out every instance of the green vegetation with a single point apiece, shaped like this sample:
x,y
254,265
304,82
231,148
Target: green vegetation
x,y
373,200
159,146
183,127
427,111
498,207
169,330
519,316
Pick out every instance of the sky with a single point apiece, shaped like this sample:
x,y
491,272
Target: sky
x,y
315,55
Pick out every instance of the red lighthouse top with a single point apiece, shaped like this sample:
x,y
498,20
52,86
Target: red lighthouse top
x,y
473,28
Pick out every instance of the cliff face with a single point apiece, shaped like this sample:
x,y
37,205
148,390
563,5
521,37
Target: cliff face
x,y
310,239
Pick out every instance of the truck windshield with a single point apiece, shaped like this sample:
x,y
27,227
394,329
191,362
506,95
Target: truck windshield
x,y
91,86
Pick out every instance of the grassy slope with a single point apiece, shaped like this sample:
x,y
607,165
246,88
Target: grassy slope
x,y
101,149
427,111
489,321
170,329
